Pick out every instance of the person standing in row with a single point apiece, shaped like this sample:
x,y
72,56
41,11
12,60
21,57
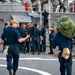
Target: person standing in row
x,y
22,32
43,34
36,39
28,42
51,37
13,38
7,24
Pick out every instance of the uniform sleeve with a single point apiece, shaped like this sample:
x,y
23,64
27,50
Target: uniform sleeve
x,y
54,44
3,36
48,13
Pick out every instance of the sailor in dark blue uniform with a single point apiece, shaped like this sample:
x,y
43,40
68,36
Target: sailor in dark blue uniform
x,y
6,26
28,40
51,37
13,37
36,39
45,15
43,34
22,45
63,42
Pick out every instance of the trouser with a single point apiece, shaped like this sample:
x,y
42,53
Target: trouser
x,y
27,46
23,47
43,46
13,53
51,46
46,23
36,45
65,65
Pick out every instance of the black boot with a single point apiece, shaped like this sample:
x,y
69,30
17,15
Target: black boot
x,y
14,72
38,53
33,52
10,72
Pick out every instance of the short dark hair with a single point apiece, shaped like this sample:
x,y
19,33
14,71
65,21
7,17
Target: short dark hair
x,y
6,24
35,25
20,24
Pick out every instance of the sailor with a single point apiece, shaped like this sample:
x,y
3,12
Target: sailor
x,y
28,42
43,34
36,39
22,45
63,39
13,37
51,36
7,24
64,45
45,16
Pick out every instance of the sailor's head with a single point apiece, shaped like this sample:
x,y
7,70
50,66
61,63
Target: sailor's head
x,y
14,23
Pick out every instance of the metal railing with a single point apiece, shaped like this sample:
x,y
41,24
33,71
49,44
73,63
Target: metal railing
x,y
11,7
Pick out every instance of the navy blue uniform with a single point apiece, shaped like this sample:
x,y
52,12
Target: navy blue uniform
x,y
45,15
5,42
43,34
51,36
21,30
12,35
28,41
36,40
63,42
22,45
